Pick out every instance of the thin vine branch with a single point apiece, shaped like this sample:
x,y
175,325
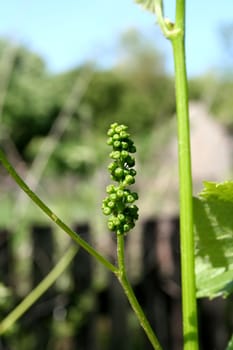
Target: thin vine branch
x,y
10,169
123,279
36,293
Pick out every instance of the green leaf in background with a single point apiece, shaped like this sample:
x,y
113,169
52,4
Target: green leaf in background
x,y
218,191
213,219
149,5
230,344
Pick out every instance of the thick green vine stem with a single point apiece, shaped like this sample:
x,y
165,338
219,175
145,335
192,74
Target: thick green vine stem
x,y
175,32
189,303
119,202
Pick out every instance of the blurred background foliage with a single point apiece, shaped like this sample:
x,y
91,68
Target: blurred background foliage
x,y
53,129
69,113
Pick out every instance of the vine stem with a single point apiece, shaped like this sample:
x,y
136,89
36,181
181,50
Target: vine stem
x,y
189,305
37,292
128,290
10,169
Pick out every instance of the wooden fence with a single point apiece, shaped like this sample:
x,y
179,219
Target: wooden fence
x,y
87,315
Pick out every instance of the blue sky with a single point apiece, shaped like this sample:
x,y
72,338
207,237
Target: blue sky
x,y
66,33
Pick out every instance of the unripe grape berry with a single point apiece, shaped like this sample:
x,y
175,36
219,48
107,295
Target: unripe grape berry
x,y
110,132
111,225
116,137
120,193
119,172
135,195
110,189
109,141
124,154
130,198
113,196
124,145
112,166
115,155
123,134
129,180
132,149
126,227
121,217
126,172
111,204
130,161
105,202
107,211
116,221
132,172
116,144
120,128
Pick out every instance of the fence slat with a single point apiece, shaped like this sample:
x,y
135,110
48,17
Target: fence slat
x,y
5,257
87,311
37,320
83,295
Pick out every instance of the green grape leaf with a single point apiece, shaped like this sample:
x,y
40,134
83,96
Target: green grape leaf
x,y
213,222
150,5
230,344
222,191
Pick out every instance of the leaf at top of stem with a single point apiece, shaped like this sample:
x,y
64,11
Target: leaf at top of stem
x,y
150,5
156,7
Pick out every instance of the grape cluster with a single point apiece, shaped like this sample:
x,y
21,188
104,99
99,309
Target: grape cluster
x,y
119,202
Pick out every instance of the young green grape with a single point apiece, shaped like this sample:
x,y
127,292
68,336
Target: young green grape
x,y
119,204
